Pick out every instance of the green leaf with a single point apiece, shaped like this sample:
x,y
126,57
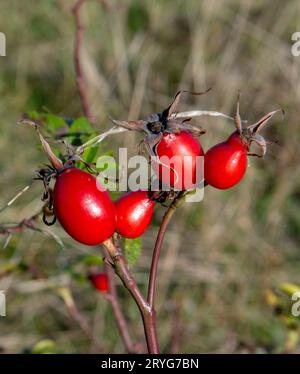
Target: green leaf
x,y
133,249
289,288
45,346
78,277
51,121
90,155
34,115
92,260
54,122
137,17
82,125
108,171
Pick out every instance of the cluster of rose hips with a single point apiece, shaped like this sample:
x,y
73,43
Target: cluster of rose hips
x,y
90,216
87,212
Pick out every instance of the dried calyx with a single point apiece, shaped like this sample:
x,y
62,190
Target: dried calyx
x,y
251,134
155,125
47,173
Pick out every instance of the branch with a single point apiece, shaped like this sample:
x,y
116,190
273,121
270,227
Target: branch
x,y
27,223
112,297
158,245
147,313
80,80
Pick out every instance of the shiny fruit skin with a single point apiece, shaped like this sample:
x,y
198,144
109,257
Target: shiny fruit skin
x,y
100,282
179,144
86,213
225,163
134,213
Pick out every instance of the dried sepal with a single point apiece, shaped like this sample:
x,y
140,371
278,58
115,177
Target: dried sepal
x,y
237,117
139,125
156,124
55,161
150,142
250,134
175,126
261,142
173,106
260,124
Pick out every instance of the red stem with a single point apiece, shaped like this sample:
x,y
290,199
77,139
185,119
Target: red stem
x,y
81,85
112,297
148,314
158,246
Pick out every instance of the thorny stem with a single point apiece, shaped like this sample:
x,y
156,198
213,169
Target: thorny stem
x,y
112,297
158,245
148,314
80,80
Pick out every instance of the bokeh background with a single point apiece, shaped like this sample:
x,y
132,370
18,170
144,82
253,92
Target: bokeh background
x,y
224,258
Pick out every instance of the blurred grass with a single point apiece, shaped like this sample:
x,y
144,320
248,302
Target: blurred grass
x,y
220,256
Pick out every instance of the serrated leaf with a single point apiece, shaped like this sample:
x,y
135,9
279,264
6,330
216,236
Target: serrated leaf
x,y
133,249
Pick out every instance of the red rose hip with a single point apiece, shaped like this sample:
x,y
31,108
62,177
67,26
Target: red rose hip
x,y
225,163
100,282
134,213
84,211
185,150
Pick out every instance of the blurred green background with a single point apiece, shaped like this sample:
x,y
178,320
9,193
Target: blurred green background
x,y
222,257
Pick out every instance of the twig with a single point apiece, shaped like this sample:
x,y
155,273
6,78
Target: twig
x,y
11,201
27,223
176,329
112,297
66,295
158,245
147,313
199,113
80,80
99,138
